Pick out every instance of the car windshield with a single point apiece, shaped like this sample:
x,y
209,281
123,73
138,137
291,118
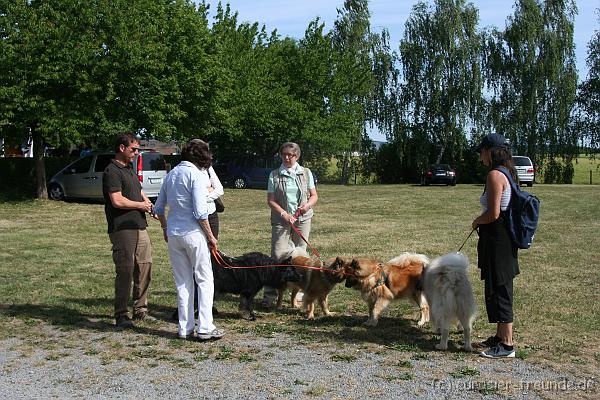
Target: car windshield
x,y
153,162
441,166
521,161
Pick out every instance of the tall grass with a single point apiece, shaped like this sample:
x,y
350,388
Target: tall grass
x,y
56,266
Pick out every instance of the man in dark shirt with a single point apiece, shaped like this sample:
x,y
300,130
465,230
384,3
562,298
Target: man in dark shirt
x,y
125,208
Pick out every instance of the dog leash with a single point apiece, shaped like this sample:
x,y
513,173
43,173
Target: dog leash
x,y
224,264
314,251
466,239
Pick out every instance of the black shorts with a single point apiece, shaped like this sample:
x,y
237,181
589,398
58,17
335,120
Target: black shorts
x,y
499,303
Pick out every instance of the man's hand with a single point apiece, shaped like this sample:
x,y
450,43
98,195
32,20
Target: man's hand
x,y
146,205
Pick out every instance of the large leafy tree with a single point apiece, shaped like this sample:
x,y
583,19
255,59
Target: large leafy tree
x,y
46,86
353,78
260,110
76,71
531,72
589,98
441,82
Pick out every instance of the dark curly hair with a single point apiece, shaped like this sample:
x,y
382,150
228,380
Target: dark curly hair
x,y
196,151
500,157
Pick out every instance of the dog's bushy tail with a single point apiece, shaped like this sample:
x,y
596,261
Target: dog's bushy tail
x,y
456,260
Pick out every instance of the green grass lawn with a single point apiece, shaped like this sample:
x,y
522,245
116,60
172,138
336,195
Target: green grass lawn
x,y
56,267
583,167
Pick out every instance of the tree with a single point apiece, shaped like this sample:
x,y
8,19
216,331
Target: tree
x,y
588,98
533,78
441,83
353,79
46,88
120,65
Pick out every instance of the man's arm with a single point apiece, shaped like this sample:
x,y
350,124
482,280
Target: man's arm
x,y
119,201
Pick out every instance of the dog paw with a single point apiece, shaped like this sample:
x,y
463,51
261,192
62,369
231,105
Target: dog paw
x,y
440,346
310,317
370,322
330,314
421,323
468,348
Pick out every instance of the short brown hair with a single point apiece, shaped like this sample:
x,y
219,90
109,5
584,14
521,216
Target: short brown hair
x,y
124,139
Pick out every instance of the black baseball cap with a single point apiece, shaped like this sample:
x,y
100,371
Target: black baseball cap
x,y
492,140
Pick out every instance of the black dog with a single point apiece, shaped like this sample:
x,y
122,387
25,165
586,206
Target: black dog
x,y
247,282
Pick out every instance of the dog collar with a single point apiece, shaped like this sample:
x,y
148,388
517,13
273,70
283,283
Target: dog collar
x,y
383,280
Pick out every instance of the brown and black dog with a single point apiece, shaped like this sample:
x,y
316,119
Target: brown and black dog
x,y
315,284
381,283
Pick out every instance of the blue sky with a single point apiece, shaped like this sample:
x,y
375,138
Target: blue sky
x,y
291,17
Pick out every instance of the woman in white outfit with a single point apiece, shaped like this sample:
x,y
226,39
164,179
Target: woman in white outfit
x,y
189,236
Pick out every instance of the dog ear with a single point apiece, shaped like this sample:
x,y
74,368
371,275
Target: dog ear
x,y
338,262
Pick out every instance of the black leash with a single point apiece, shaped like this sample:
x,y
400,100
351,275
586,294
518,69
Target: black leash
x,y
466,239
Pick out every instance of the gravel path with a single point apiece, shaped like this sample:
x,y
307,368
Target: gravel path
x,y
246,366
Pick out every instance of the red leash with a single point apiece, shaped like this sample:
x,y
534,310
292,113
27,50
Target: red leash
x,y
222,263
314,251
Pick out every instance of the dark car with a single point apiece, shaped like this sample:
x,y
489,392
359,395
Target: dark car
x,y
246,172
439,173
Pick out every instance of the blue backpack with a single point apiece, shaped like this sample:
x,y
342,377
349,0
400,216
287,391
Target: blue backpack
x,y
522,213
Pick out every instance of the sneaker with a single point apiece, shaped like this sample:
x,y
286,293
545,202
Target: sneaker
x,y
124,322
144,316
214,335
498,351
490,342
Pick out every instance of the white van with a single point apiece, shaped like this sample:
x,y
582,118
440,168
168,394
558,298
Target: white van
x,y
82,179
525,170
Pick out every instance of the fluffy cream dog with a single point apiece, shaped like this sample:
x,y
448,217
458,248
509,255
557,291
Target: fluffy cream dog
x,y
448,291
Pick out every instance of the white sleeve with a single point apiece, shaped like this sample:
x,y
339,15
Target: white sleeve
x,y
216,185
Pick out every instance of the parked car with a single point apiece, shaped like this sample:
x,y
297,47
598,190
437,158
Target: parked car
x,y
439,173
82,179
246,172
525,170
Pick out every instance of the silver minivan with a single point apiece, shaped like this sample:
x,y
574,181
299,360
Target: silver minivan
x,y
82,179
525,170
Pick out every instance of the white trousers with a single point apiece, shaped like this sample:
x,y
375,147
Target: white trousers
x,y
190,260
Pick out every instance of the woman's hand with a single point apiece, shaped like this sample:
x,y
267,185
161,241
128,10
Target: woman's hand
x,y
287,217
304,209
475,224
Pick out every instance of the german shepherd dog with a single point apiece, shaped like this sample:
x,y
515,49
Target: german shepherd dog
x,y
315,284
381,283
247,282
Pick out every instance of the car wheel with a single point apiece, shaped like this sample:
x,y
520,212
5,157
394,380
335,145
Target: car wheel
x,y
56,192
530,184
240,183
453,183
